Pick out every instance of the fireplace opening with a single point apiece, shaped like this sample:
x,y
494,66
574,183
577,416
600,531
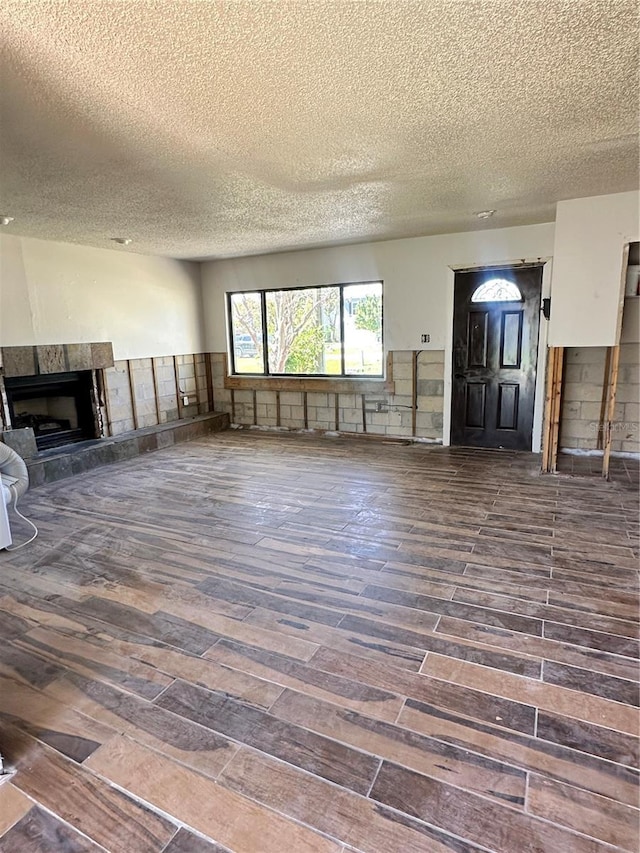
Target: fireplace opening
x,y
57,406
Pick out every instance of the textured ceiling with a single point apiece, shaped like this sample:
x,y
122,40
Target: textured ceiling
x,y
211,129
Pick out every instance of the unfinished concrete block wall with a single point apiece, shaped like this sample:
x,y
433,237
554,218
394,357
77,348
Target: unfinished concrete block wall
x,y
398,414
584,400
144,392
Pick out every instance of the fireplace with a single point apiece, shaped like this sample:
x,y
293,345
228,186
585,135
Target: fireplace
x,y
57,406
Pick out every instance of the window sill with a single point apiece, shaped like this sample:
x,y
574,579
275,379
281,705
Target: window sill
x,y
321,384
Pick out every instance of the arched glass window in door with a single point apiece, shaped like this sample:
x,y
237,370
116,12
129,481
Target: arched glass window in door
x,y
497,290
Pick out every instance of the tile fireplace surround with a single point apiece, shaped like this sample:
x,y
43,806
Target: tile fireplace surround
x,y
110,445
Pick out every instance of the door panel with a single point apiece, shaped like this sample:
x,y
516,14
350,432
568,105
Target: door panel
x,y
495,357
476,404
477,336
511,339
508,396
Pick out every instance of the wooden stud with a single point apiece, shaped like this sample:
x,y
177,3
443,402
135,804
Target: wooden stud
x,y
336,402
156,392
177,381
255,407
603,402
134,412
364,414
278,409
557,408
611,407
548,414
107,404
553,409
414,393
233,406
306,410
209,370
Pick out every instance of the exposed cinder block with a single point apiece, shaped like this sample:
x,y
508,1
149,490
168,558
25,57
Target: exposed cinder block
x,y
402,370
316,399
577,392
430,388
431,356
431,371
404,387
430,404
401,357
347,401
351,416
291,398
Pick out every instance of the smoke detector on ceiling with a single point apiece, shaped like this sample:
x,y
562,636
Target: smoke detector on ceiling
x,y
123,241
485,214
6,220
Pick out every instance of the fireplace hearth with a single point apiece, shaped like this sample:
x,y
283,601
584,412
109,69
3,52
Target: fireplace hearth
x,y
57,406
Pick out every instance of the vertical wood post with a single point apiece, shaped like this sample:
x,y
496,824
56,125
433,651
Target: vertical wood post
x,y
414,393
134,411
156,391
611,407
552,409
177,381
209,371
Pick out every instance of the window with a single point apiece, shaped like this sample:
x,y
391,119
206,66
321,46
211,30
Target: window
x,y
310,331
497,290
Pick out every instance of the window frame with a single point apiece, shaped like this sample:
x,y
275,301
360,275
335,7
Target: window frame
x,y
265,347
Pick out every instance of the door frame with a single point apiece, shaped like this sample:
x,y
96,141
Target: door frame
x,y
538,407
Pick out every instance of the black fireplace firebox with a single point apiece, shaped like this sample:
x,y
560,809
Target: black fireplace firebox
x,y
57,406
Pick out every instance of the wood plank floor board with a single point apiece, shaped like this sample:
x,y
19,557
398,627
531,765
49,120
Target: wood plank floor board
x,y
186,842
596,816
327,645
178,737
427,755
96,809
338,639
572,759
13,806
289,672
471,816
476,704
40,832
65,729
363,824
221,815
323,756
539,647
547,697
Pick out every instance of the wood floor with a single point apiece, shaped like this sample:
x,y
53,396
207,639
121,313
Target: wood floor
x,y
268,643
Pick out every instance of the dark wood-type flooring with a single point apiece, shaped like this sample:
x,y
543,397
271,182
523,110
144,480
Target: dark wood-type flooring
x,y
268,643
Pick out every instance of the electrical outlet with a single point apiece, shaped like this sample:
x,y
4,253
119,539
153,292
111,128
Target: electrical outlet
x,y
185,400
425,339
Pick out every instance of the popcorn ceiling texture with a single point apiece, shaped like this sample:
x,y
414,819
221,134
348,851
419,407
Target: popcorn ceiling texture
x,y
215,129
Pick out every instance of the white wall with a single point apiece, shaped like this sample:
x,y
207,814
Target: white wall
x,y
53,293
589,267
418,286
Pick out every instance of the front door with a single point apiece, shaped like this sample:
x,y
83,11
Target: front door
x,y
495,353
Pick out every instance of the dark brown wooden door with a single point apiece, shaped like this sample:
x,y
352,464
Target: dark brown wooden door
x,y
495,354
